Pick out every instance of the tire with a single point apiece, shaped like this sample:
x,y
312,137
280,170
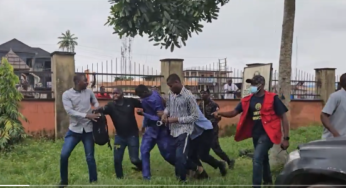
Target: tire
x,y
326,185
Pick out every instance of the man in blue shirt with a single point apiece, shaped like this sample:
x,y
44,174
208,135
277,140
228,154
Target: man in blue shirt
x,y
200,145
151,104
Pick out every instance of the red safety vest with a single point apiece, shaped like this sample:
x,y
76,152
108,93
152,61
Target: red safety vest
x,y
271,122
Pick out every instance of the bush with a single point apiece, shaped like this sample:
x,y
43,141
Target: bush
x,y
11,128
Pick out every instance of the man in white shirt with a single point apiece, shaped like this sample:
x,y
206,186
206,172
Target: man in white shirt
x,y
230,88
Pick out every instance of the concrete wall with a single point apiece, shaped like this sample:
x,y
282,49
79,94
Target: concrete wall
x,y
41,115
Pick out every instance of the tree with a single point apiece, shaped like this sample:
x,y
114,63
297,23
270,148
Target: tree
x,y
67,41
285,69
11,128
166,22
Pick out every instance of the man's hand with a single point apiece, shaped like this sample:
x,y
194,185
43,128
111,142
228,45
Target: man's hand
x,y
93,117
140,112
216,115
172,120
285,144
336,134
163,118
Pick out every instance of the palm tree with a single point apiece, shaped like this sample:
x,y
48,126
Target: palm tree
x,y
285,69
67,41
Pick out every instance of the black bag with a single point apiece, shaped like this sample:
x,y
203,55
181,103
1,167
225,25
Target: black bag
x,y
100,131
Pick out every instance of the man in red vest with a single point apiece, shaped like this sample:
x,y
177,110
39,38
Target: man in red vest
x,y
261,118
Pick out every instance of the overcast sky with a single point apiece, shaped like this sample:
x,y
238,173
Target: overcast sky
x,y
247,31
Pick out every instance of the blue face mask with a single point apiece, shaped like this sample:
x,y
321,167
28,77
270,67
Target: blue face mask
x,y
253,89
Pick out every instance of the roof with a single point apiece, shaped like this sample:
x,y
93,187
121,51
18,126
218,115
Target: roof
x,y
41,53
17,46
15,61
135,83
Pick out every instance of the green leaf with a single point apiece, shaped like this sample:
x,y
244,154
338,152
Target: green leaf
x,y
166,15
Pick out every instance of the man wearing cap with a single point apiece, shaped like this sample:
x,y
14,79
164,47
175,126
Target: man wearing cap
x,y
262,113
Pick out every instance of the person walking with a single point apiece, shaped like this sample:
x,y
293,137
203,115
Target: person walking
x,y
121,110
180,114
208,106
153,135
333,113
262,114
76,102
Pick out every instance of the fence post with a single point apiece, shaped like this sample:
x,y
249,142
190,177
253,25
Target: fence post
x,y
325,82
170,66
63,68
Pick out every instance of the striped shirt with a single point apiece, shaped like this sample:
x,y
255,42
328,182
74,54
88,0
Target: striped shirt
x,y
184,107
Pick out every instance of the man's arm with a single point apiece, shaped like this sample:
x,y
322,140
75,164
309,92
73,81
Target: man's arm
x,y
327,111
166,111
94,101
157,106
193,115
136,103
238,109
280,110
69,107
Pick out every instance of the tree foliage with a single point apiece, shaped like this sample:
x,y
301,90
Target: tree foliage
x,y
67,41
11,128
166,22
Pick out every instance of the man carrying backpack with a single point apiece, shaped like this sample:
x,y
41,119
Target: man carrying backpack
x,y
152,103
76,102
121,111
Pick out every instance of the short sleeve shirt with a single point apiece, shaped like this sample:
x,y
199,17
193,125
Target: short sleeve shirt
x,y
336,108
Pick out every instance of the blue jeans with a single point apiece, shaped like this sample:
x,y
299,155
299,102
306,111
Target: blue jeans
x,y
71,140
180,145
261,167
120,144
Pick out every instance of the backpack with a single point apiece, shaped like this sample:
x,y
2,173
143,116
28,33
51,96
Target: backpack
x,y
100,131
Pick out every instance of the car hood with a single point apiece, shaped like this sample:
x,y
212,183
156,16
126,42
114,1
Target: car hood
x,y
325,148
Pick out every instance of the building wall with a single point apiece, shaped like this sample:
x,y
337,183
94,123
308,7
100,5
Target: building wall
x,y
41,114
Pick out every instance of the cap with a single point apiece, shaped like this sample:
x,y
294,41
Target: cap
x,y
257,79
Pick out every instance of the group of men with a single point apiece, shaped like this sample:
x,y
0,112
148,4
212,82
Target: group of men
x,y
181,128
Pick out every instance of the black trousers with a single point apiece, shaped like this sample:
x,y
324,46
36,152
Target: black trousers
x,y
199,149
216,144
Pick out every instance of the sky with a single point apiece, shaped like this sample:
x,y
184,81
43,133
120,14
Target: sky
x,y
247,31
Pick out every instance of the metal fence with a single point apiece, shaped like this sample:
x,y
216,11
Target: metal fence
x,y
105,76
216,79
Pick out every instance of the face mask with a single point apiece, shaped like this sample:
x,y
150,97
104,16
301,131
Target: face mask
x,y
253,89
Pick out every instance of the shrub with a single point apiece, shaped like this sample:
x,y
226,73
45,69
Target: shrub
x,y
11,128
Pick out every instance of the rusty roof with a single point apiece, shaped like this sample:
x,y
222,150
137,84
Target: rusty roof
x,y
16,61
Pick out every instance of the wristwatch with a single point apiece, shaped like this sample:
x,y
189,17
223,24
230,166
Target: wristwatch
x,y
287,138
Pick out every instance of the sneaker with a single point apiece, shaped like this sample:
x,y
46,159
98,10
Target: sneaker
x,y
222,168
231,164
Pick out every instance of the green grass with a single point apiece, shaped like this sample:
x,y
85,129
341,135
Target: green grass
x,y
37,163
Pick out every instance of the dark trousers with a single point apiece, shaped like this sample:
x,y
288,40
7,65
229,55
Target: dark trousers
x,y
261,167
163,141
199,150
181,146
70,142
216,145
120,144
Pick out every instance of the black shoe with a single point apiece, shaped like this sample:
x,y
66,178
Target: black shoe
x,y
222,168
267,184
62,185
231,164
202,175
136,169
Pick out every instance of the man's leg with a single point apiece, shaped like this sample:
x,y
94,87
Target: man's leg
x,y
204,147
164,143
217,148
181,150
119,149
89,148
262,146
193,161
267,175
70,142
147,145
133,147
